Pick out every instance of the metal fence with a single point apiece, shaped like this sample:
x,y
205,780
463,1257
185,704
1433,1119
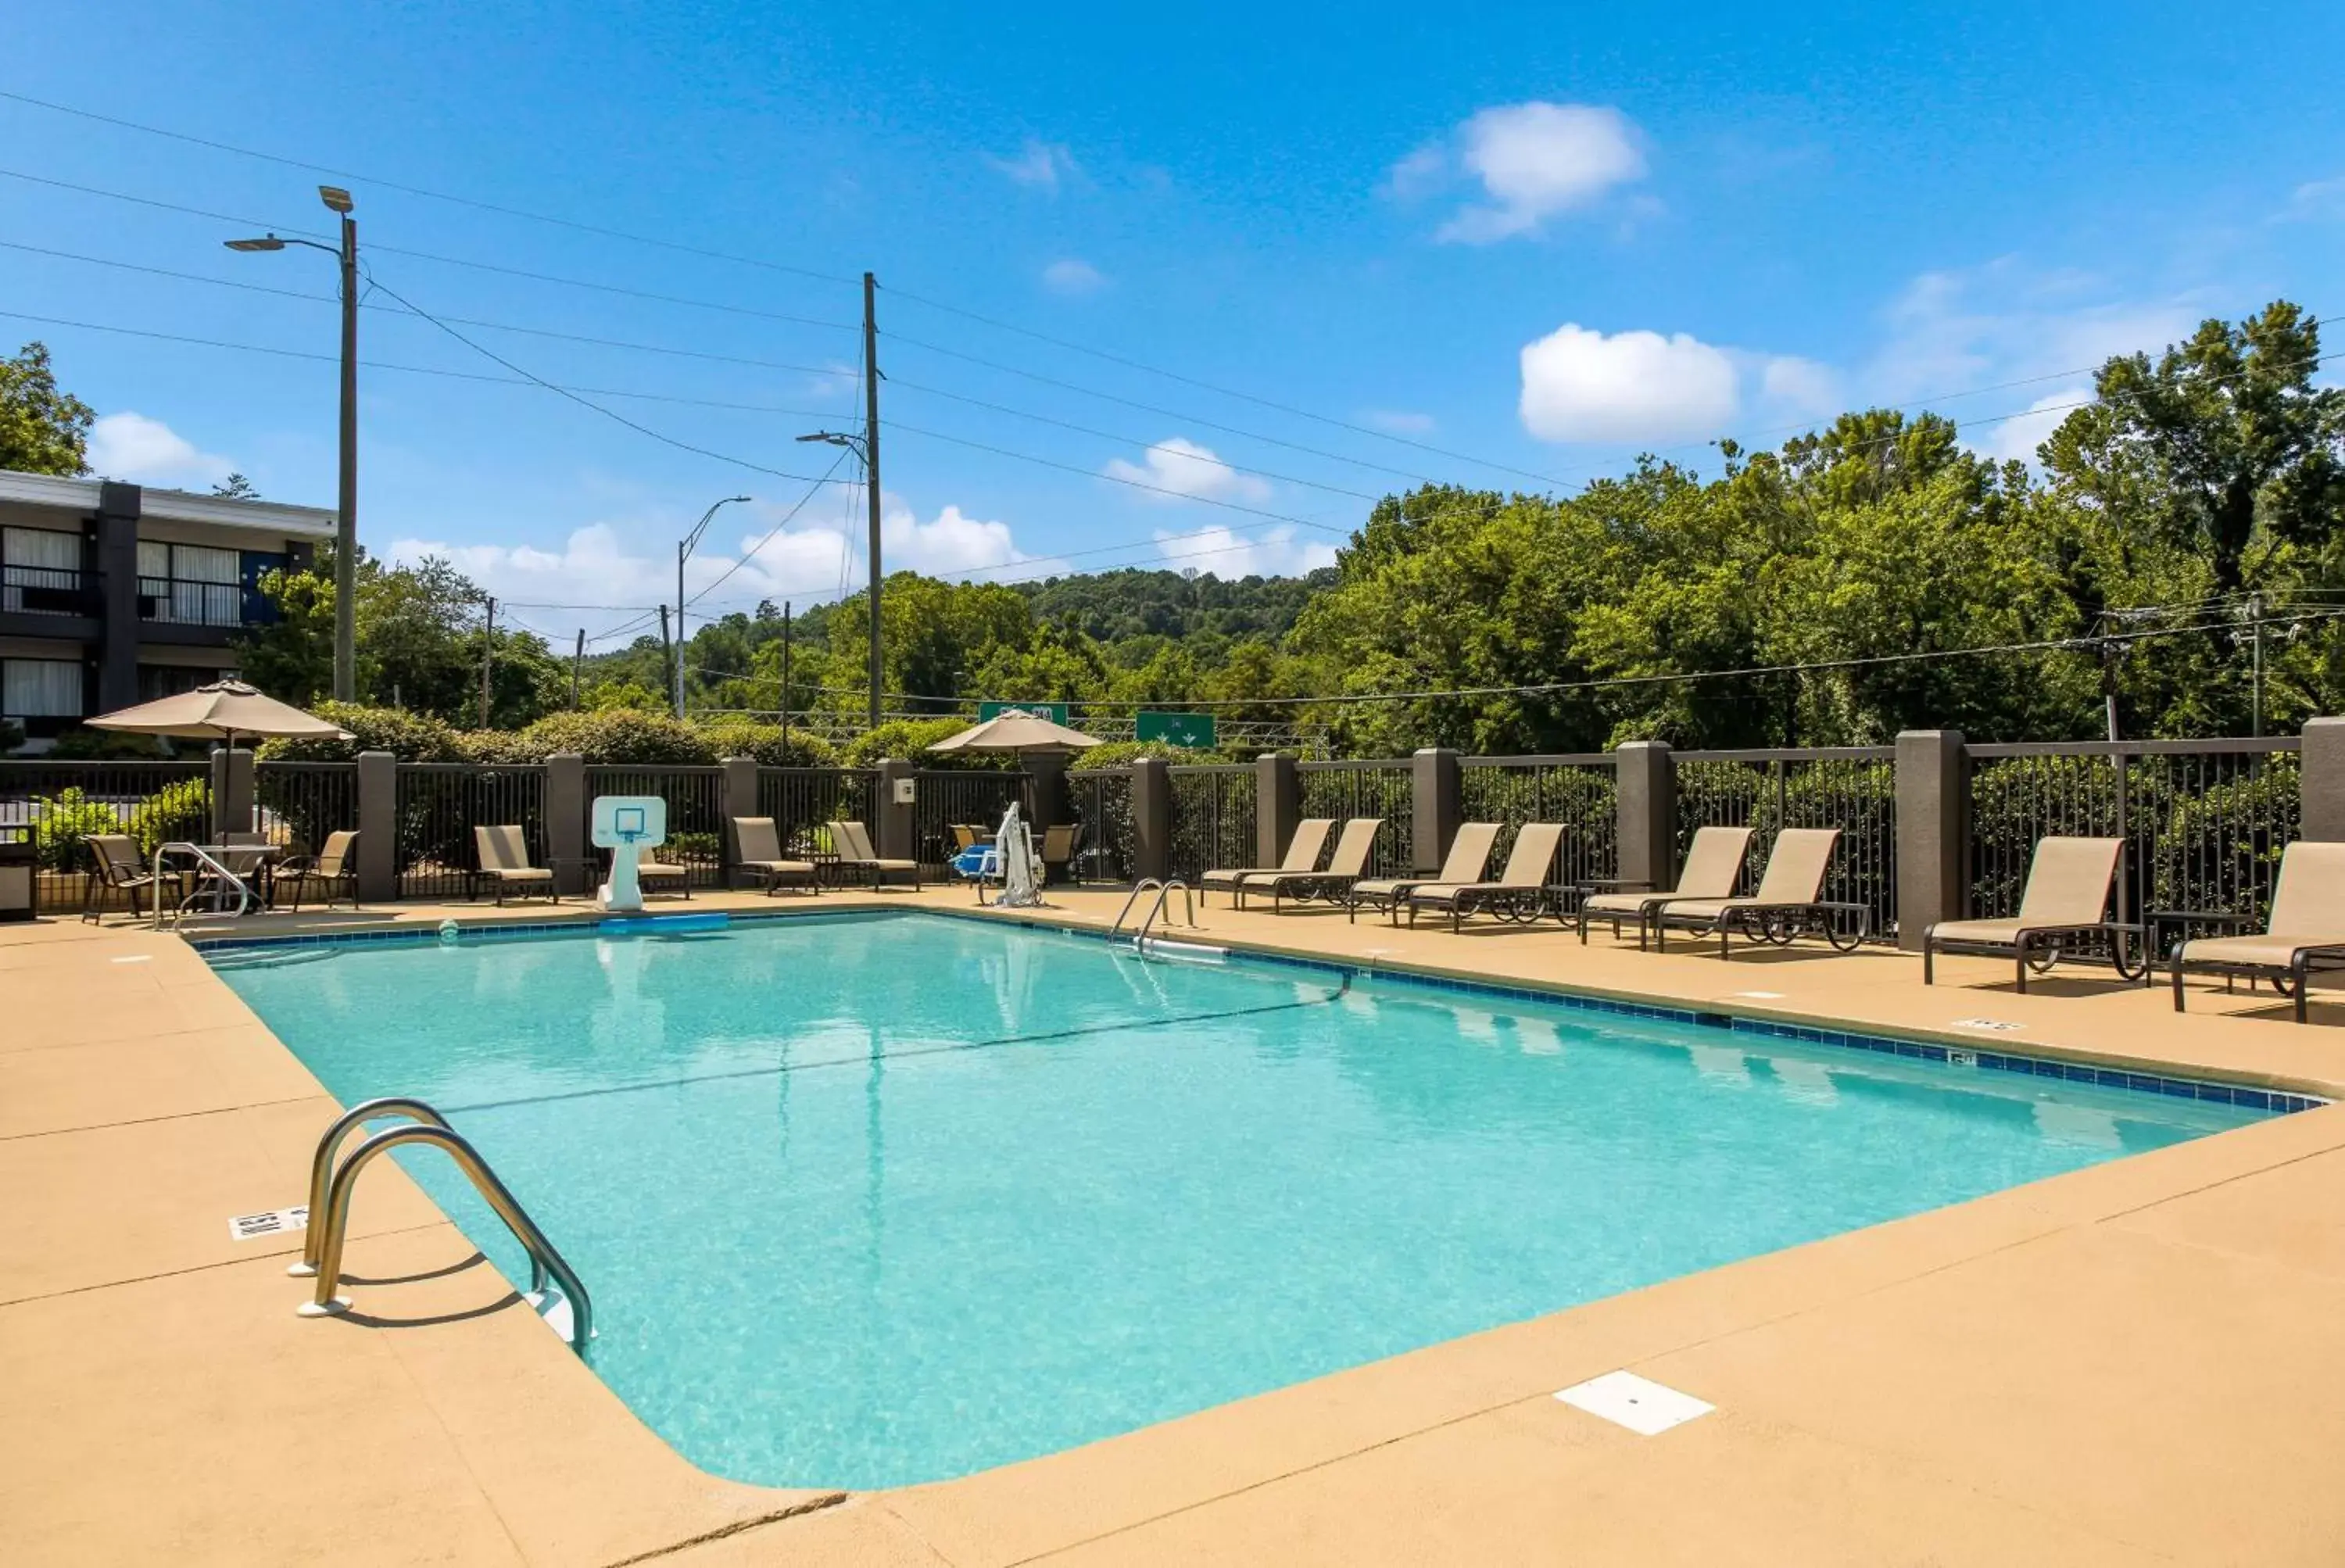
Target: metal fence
x,y
943,797
696,813
1213,817
1101,803
438,804
297,804
1580,791
1851,787
1384,789
800,800
55,805
2204,821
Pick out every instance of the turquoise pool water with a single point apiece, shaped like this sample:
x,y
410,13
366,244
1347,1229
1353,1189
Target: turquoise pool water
x,y
870,1201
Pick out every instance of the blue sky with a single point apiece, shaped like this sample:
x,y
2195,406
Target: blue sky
x,y
1536,238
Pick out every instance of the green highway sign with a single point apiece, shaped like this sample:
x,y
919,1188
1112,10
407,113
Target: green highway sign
x,y
1176,728
1056,712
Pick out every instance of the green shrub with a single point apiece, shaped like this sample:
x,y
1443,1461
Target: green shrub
x,y
179,812
61,821
767,744
908,739
1124,753
410,736
617,735
84,744
499,747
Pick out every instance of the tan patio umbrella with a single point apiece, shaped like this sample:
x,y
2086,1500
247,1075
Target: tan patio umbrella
x,y
221,711
1014,729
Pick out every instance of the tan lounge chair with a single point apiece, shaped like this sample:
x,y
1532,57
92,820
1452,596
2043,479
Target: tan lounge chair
x,y
1790,896
2306,931
1346,866
1524,879
758,850
2068,895
853,843
1302,854
504,861
1468,858
1713,865
334,867
1061,846
663,876
115,857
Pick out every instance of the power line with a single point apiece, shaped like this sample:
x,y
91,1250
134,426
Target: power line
x,y
751,553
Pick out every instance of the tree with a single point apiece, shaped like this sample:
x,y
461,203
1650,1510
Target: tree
x,y
237,487
42,429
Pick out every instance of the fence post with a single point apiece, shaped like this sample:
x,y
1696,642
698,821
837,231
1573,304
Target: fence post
x,y
1933,832
1648,795
1434,807
378,827
738,799
216,795
1151,818
895,824
566,823
1277,806
1048,769
2322,776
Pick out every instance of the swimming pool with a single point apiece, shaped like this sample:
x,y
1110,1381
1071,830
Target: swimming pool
x,y
868,1200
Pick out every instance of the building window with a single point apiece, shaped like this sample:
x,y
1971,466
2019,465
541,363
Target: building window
x,y
43,696
190,584
157,681
40,571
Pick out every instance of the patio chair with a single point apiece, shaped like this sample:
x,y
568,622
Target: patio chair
x,y
1345,867
1302,854
853,843
1468,858
1713,865
1790,896
1062,844
334,867
115,864
504,861
663,876
2305,933
758,850
1522,885
2068,895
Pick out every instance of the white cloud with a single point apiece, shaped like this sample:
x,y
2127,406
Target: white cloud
x,y
132,447
2019,437
1533,161
1399,422
1072,275
2317,199
1581,385
1044,165
1226,553
1952,330
1188,469
1799,388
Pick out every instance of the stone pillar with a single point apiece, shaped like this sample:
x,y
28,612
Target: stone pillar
x,y
1049,771
378,827
566,807
894,835
1151,818
117,564
1277,806
1648,779
1435,811
739,799
2324,778
232,790
1933,832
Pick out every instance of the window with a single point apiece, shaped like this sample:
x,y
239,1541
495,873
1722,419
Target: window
x,y
40,571
191,584
44,695
161,680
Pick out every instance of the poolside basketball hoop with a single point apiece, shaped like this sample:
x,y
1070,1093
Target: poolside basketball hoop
x,y
627,825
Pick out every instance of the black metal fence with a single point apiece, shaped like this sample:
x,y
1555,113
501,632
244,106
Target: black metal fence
x,y
439,804
1348,789
1581,792
297,804
1213,817
800,800
696,813
943,798
1101,803
1851,787
55,806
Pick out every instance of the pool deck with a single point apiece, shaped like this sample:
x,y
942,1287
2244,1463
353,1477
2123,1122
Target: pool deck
x,y
2139,1363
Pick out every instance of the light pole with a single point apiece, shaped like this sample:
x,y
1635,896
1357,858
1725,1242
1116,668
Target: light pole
x,y
684,549
867,446
860,447
346,522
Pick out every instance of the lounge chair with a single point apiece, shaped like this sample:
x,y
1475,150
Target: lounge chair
x,y
1524,879
1713,865
1468,858
758,850
504,861
1302,854
2068,895
1061,843
335,867
115,864
2306,932
853,844
1790,896
1346,866
663,876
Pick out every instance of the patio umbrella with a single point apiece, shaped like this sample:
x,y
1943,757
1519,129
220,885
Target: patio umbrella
x,y
1014,729
220,712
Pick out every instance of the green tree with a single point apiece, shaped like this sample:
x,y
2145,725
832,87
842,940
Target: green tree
x,y
237,487
42,429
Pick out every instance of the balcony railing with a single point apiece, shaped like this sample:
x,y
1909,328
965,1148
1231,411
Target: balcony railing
x,y
48,591
178,602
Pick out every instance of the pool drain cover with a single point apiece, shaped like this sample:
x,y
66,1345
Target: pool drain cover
x,y
1643,1406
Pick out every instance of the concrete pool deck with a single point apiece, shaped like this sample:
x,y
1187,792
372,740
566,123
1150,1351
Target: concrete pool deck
x,y
2139,1363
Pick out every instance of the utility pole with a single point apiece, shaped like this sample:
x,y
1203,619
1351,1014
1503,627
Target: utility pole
x,y
346,524
577,657
786,680
488,656
871,471
2256,615
669,649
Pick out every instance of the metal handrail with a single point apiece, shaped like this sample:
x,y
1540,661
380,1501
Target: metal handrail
x,y
1138,888
543,1258
1163,897
230,879
321,1165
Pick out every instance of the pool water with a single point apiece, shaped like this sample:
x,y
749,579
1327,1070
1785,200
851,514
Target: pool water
x,y
868,1201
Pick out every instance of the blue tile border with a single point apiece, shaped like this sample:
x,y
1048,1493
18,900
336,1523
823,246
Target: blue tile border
x,y
2279,1102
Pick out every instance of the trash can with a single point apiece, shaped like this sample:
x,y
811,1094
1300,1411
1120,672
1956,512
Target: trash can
x,y
17,868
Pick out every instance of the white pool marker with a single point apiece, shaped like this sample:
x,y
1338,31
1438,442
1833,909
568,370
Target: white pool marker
x,y
1645,1407
1995,1024
1758,995
1538,1037
1720,1065
137,958
1476,1025
1810,1083
268,1222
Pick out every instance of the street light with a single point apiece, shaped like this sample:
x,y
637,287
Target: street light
x,y
863,447
684,548
345,523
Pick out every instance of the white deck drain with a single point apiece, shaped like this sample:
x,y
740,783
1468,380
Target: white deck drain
x,y
268,1222
1643,1406
1996,1024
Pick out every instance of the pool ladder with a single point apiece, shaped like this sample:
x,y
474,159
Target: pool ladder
x,y
330,1210
1163,891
